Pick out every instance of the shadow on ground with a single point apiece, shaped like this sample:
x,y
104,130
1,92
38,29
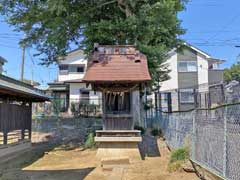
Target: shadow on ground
x,y
13,168
68,174
149,147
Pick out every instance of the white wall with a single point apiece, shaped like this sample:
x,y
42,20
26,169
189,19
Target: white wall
x,y
75,95
202,72
75,58
74,91
172,83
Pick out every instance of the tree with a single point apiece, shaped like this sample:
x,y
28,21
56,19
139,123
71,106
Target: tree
x,y
53,26
232,73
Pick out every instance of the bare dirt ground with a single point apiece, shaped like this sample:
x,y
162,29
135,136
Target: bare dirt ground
x,y
70,162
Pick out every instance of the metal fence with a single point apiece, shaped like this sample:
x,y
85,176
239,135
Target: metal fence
x,y
213,136
83,107
200,96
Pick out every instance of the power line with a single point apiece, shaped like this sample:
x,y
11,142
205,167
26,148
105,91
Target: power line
x,y
225,26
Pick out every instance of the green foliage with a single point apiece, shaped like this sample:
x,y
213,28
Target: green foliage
x,y
178,158
157,132
151,25
140,128
175,166
90,143
181,154
74,109
232,73
148,105
56,106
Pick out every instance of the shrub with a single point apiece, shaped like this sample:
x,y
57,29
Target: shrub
x,y
157,132
90,143
74,109
181,154
178,157
140,128
56,106
172,167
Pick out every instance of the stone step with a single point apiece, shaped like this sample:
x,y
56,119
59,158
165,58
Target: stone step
x,y
115,160
109,168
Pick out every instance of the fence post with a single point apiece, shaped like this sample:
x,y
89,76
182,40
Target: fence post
x,y
194,134
169,96
176,132
5,137
225,142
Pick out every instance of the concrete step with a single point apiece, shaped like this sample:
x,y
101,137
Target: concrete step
x,y
109,164
115,160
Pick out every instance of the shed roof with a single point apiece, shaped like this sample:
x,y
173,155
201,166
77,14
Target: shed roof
x,y
117,63
19,90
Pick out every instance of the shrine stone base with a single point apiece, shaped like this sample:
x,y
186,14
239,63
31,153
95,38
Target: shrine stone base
x,y
119,146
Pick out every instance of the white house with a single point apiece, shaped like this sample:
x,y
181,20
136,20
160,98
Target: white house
x,y
191,70
2,61
69,87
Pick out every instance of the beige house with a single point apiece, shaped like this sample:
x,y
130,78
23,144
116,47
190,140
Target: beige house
x,y
191,70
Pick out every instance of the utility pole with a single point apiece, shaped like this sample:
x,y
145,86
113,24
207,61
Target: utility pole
x,y
23,59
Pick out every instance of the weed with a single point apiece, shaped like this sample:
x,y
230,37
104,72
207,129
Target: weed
x,y
178,157
90,143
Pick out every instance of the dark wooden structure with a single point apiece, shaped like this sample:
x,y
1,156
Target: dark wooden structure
x,y
16,110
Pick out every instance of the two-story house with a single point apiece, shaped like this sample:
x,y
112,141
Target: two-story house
x,y
2,61
191,70
69,87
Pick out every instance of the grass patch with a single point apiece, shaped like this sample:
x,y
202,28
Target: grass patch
x,y
178,158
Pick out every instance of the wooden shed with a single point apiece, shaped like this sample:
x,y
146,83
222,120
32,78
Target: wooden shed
x,y
16,100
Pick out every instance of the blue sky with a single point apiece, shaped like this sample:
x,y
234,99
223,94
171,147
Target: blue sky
x,y
212,25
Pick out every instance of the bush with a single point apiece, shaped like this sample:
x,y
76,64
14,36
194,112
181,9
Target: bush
x,y
74,109
90,143
136,127
181,154
176,166
56,106
178,157
157,132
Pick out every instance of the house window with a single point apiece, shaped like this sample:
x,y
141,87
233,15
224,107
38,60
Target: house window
x,y
80,69
76,69
186,96
63,69
187,66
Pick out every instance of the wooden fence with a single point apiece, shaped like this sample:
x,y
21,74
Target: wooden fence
x,y
15,121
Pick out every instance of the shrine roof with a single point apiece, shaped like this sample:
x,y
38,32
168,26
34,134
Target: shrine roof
x,y
121,63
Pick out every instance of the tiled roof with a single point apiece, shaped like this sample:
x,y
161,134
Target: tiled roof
x,y
117,63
